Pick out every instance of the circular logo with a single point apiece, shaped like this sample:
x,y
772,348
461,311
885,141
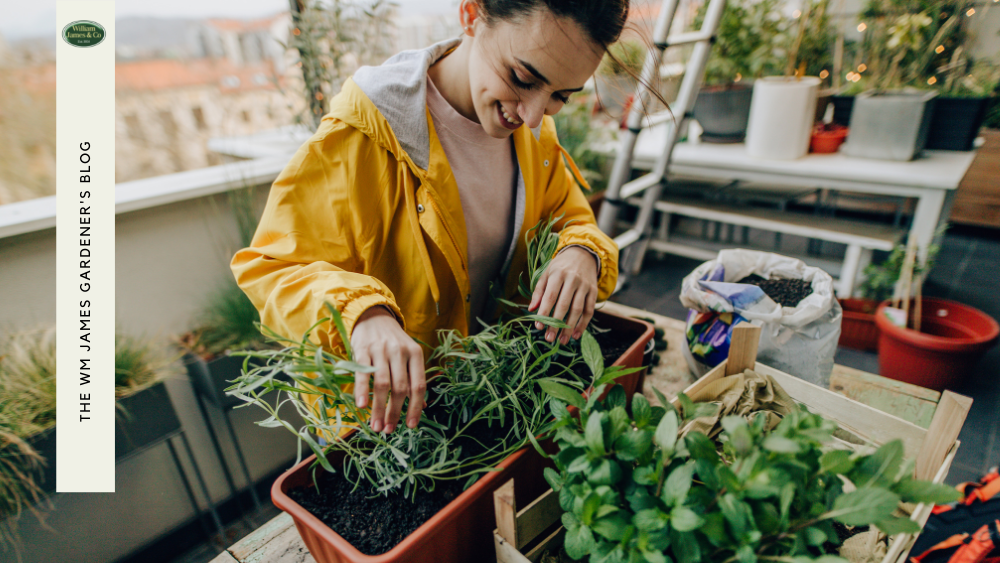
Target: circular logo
x,y
83,33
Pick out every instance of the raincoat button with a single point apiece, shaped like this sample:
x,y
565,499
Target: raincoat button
x,y
546,163
468,296
420,208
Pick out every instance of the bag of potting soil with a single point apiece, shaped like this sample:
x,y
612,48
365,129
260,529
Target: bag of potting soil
x,y
793,304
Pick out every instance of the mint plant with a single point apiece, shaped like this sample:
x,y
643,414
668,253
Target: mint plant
x,y
635,488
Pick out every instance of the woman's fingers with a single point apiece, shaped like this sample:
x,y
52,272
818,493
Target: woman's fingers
x,y
588,314
536,297
418,388
576,313
567,290
398,361
361,379
383,384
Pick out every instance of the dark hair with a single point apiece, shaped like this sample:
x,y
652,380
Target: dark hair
x,y
602,20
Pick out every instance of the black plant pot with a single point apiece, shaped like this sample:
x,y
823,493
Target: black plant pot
x,y
956,122
842,107
141,420
210,379
723,112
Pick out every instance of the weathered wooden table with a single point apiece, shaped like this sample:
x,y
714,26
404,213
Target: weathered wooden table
x,y
278,541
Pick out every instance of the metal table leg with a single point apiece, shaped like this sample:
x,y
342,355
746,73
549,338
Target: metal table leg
x,y
201,481
242,460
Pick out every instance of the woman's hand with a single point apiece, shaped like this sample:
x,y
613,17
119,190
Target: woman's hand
x,y
569,284
380,342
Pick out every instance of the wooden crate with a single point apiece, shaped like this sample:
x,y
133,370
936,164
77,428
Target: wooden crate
x,y
932,448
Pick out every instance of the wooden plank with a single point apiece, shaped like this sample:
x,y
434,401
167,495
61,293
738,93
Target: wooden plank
x,y
904,400
287,547
553,542
942,433
505,551
863,420
715,373
506,512
224,557
535,518
742,348
259,537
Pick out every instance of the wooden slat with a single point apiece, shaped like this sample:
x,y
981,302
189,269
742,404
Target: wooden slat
x,y
943,431
505,551
553,542
506,512
742,348
535,518
865,421
286,547
910,402
261,536
224,557
715,373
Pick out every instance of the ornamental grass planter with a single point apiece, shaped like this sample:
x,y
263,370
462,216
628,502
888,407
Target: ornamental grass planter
x,y
952,339
956,122
723,112
462,530
889,125
857,328
523,535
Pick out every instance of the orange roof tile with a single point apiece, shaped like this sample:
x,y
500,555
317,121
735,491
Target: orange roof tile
x,y
162,74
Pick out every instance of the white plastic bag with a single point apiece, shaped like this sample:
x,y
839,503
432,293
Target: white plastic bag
x,y
800,340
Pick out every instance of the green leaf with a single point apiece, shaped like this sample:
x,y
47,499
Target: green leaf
x,y
666,432
562,392
737,514
677,484
633,444
644,475
700,446
620,422
611,527
579,542
687,405
912,490
616,397
604,472
814,536
836,462
654,557
594,434
880,468
641,411
738,432
683,519
864,506
894,525
649,519
553,478
590,506
781,445
592,353
579,464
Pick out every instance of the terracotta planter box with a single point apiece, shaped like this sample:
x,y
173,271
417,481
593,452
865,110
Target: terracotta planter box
x,y
463,530
858,329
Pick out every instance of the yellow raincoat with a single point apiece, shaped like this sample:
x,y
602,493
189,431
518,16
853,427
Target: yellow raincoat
x,y
367,213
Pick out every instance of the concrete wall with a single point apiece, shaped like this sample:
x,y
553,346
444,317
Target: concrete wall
x,y
169,257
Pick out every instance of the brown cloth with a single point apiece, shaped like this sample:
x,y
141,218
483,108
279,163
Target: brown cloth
x,y
743,394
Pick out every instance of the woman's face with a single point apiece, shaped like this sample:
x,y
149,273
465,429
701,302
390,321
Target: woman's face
x,y
527,69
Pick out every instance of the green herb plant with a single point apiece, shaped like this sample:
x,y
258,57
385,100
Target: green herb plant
x,y
880,279
635,487
488,395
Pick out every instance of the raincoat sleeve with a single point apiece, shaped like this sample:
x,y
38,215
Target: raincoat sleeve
x,y
564,196
318,237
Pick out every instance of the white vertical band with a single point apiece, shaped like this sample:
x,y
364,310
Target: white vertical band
x,y
85,251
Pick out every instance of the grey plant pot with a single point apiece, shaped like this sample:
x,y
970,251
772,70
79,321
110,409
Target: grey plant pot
x,y
890,125
723,112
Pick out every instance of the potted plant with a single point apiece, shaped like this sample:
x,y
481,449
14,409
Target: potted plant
x,y
577,134
967,92
827,138
744,50
485,421
783,109
614,80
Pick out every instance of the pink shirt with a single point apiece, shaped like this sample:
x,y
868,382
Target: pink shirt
x,y
485,169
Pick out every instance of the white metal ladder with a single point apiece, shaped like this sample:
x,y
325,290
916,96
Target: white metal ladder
x,y
650,185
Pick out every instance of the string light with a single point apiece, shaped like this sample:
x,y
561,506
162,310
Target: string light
x,y
738,77
823,74
939,49
319,95
862,67
796,14
862,26
296,31
932,80
970,12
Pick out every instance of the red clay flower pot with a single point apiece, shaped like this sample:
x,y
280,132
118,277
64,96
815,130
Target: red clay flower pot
x,y
858,329
827,138
952,338
463,530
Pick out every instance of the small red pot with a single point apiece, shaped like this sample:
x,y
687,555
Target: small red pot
x,y
952,338
858,329
462,531
827,138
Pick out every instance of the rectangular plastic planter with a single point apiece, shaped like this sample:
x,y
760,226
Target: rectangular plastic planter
x,y
890,125
463,530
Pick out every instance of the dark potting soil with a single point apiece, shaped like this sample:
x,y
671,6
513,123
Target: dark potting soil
x,y
375,525
843,533
787,293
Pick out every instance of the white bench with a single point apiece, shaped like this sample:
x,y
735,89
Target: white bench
x,y
860,237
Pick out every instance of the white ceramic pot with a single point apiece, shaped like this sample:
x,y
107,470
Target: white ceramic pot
x,y
781,117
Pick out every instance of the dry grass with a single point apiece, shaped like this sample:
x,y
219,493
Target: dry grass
x,y
28,135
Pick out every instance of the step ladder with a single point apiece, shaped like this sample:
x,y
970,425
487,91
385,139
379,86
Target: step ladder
x,y
634,242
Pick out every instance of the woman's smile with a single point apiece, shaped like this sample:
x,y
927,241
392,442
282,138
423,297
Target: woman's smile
x,y
506,119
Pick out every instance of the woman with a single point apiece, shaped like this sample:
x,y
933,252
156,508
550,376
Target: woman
x,y
419,186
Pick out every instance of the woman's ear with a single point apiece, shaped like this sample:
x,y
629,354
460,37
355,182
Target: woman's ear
x,y
468,15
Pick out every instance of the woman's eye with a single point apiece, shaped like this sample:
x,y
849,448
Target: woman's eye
x,y
520,83
562,98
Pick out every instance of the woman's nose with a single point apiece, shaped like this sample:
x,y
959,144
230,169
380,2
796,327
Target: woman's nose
x,y
531,111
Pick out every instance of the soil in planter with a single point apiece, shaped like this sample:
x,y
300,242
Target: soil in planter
x,y
375,525
787,293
